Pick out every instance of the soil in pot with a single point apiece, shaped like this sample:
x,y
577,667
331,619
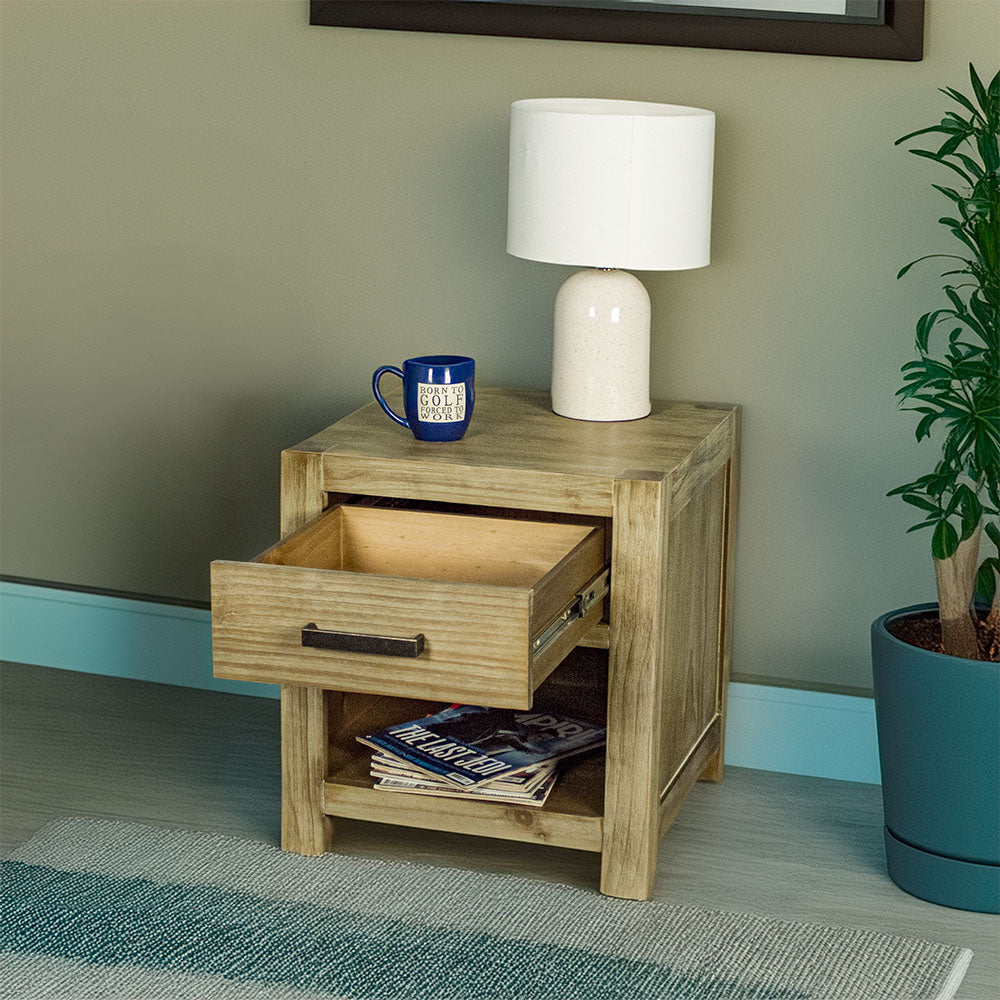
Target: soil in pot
x,y
924,630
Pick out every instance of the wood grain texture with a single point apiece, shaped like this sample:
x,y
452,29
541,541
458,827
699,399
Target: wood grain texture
x,y
693,544
702,464
516,453
571,817
665,482
436,546
599,637
479,589
305,828
302,496
687,773
635,678
258,612
716,765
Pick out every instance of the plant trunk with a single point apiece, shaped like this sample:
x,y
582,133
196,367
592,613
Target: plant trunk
x,y
956,582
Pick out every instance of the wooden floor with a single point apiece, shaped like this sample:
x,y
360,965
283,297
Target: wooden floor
x,y
785,846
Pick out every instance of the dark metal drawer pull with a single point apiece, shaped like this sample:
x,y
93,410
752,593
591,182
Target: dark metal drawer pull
x,y
352,642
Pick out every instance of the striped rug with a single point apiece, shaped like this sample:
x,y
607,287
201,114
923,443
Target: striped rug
x,y
101,909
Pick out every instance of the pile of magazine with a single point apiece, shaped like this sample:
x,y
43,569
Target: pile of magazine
x,y
493,754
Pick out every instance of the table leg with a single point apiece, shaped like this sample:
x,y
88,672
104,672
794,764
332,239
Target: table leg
x,y
305,828
632,776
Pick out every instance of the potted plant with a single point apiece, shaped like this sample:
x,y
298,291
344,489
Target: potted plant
x,y
937,680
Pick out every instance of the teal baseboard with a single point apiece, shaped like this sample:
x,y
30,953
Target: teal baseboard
x,y
783,729
115,636
815,733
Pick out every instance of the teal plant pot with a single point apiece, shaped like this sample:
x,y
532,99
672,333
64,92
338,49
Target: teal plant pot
x,y
938,720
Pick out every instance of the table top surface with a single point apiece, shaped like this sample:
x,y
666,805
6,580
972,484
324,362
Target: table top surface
x,y
516,429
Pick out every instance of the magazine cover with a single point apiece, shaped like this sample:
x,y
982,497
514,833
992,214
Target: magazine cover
x,y
470,744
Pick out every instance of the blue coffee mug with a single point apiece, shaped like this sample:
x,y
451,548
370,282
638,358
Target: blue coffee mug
x,y
438,395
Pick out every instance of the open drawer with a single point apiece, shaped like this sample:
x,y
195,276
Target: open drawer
x,y
411,603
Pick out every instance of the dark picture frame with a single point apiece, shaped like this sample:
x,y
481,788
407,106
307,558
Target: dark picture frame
x,y
897,31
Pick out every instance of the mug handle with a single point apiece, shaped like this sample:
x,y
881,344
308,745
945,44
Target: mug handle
x,y
379,372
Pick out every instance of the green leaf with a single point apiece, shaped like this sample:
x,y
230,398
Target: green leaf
x,y
962,99
987,146
940,481
982,310
951,193
978,88
929,256
927,154
986,579
993,491
970,164
924,427
985,452
994,88
954,118
956,499
993,532
922,502
972,514
945,541
964,237
951,144
926,323
932,369
920,131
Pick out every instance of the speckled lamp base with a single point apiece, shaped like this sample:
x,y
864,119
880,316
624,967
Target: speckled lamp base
x,y
600,354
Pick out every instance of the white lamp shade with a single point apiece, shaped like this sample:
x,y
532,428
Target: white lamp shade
x,y
610,183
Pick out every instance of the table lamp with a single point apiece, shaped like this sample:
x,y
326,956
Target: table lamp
x,y
607,184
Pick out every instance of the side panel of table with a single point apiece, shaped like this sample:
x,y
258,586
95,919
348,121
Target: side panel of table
x,y
669,657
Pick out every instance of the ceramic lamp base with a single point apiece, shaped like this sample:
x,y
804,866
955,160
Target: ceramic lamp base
x,y
600,352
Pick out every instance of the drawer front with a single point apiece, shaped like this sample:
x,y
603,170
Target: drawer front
x,y
436,606
259,612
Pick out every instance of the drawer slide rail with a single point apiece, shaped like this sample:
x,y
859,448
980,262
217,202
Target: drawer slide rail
x,y
581,604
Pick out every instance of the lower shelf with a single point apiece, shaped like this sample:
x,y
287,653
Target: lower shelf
x,y
572,816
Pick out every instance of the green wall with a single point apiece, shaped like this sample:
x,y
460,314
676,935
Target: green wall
x,y
218,220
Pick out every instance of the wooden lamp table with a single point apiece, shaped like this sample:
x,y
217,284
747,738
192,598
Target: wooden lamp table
x,y
584,567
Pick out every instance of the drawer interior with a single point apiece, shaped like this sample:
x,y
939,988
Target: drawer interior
x,y
486,607
425,545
